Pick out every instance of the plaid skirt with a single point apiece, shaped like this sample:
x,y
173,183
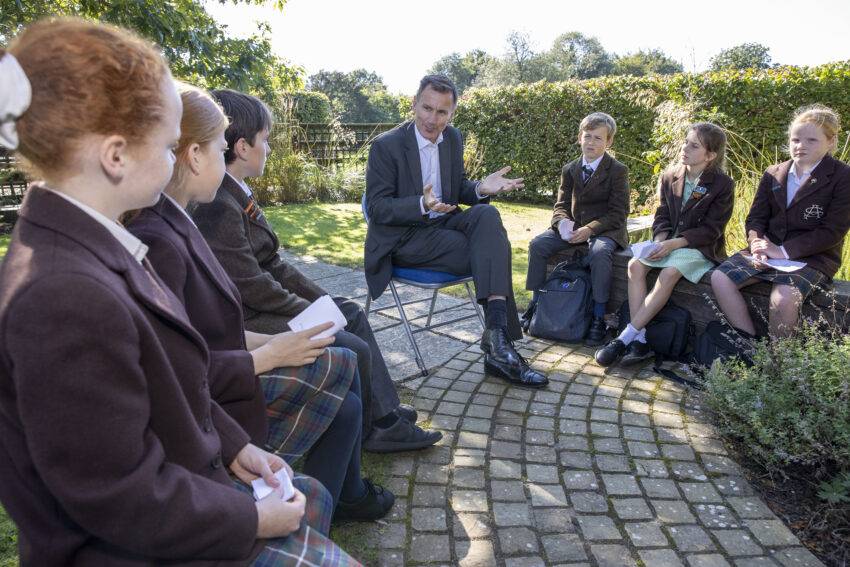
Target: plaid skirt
x,y
302,402
807,280
309,546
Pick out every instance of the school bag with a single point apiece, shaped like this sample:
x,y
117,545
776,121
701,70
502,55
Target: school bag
x,y
564,306
668,332
720,341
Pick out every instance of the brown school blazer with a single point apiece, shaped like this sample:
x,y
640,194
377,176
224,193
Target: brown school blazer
x,y
247,249
813,227
186,264
113,452
602,204
703,220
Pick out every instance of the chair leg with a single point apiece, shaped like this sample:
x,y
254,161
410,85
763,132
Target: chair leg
x,y
431,310
368,303
406,324
475,305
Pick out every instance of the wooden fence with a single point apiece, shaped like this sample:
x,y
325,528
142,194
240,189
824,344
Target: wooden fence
x,y
331,144
12,182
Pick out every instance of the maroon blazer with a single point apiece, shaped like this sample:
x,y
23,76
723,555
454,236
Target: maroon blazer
x,y
702,222
812,228
184,261
602,204
113,452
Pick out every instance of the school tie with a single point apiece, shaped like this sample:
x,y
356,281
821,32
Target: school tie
x,y
252,209
586,172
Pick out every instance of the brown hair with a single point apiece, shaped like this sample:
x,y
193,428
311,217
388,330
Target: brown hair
x,y
87,78
713,139
203,119
248,116
819,115
597,119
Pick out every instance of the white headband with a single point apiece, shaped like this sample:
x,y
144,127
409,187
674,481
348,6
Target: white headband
x,y
15,98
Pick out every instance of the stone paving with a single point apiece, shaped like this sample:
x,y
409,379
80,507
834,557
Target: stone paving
x,y
607,469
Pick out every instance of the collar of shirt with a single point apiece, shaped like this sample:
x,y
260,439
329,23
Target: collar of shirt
x,y
592,165
181,209
241,184
424,142
793,171
134,246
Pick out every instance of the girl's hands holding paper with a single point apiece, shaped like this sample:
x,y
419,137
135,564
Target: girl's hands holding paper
x,y
292,349
277,517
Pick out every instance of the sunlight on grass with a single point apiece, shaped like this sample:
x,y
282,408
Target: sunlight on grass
x,y
4,243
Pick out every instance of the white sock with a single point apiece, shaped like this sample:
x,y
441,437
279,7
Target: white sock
x,y
628,334
641,336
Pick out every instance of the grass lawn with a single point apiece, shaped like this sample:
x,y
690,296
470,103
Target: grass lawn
x,y
335,233
4,243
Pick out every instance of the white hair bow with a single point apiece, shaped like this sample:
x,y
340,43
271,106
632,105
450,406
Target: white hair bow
x,y
15,98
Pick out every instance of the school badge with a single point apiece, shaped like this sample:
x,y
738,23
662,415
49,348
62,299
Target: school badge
x,y
699,192
813,212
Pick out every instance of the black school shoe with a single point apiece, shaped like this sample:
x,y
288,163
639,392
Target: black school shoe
x,y
608,355
596,334
636,353
371,506
407,412
400,436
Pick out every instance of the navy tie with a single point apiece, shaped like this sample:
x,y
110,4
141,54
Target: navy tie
x,y
586,172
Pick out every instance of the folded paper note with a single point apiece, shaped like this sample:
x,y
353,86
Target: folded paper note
x,y
320,311
261,489
644,249
781,264
565,229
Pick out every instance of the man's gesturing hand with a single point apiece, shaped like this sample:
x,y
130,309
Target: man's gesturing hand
x,y
432,203
497,183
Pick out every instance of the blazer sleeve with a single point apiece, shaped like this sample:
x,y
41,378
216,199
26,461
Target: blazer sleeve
x,y
564,202
713,223
96,453
384,206
662,222
759,216
618,203
224,229
833,228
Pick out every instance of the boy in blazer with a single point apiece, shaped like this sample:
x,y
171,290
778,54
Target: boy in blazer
x,y
594,200
273,291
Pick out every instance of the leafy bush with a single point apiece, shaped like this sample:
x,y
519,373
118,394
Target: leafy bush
x,y
311,107
792,407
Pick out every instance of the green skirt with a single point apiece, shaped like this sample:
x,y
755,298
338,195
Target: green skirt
x,y
689,261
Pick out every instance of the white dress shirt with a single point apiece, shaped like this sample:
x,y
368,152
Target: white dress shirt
x,y
241,184
592,165
795,181
181,209
134,246
429,162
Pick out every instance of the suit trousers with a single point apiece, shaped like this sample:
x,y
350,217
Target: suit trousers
x,y
378,393
598,257
471,242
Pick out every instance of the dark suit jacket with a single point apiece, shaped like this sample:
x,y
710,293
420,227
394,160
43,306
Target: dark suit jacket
x,y
703,220
394,189
602,204
813,227
113,453
186,264
247,248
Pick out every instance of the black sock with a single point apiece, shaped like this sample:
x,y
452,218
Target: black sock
x,y
386,421
496,314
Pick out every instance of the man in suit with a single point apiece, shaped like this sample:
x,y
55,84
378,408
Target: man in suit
x,y
415,181
594,201
273,291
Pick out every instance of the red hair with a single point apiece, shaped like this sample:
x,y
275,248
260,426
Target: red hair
x,y
87,78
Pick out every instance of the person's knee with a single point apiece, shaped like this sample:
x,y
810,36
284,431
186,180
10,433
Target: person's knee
x,y
314,491
669,276
720,281
785,299
636,268
487,215
350,412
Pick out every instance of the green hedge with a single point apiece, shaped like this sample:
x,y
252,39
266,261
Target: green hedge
x,y
312,107
534,127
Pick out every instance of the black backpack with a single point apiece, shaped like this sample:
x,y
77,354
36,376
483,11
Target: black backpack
x,y
668,333
565,305
721,341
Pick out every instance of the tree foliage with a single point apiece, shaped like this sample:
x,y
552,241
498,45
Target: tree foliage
x,y
356,96
650,62
197,47
744,56
463,70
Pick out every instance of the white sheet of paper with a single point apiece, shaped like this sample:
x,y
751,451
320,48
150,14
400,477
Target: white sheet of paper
x,y
565,229
261,489
643,249
320,311
785,265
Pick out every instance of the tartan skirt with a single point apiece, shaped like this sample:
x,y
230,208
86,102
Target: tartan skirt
x,y
807,280
309,546
301,402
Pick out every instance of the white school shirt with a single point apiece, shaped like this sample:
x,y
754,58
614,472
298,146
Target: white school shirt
x,y
241,184
592,165
134,246
181,209
794,183
429,162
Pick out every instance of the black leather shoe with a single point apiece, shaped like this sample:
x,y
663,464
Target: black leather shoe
x,y
518,374
636,353
407,412
371,506
608,355
596,333
400,436
495,342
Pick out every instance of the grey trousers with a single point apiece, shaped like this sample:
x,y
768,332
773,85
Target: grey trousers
x,y
597,255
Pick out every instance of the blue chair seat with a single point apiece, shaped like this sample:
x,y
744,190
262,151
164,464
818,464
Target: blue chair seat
x,y
424,276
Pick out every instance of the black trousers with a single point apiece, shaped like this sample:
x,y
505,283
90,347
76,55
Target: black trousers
x,y
472,242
